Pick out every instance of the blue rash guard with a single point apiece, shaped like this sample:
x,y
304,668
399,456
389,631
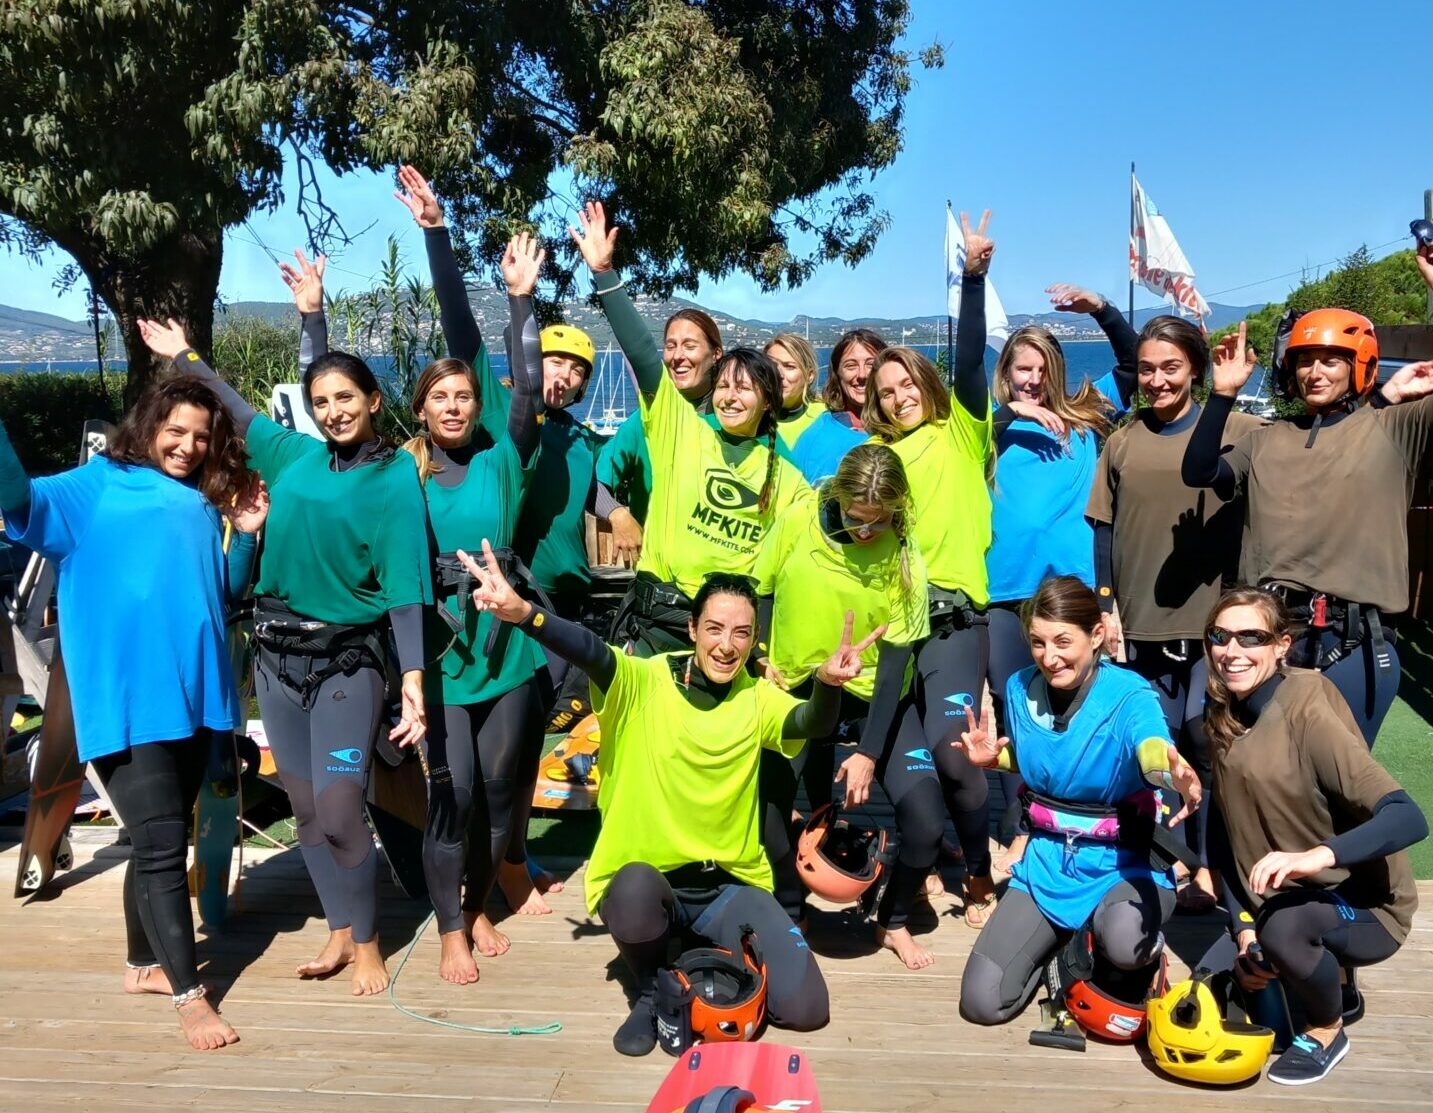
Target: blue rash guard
x,y
141,596
1093,761
824,445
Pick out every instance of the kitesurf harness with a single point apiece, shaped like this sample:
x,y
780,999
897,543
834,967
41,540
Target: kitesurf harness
x,y
348,648
453,594
654,603
1132,823
1318,612
952,610
712,994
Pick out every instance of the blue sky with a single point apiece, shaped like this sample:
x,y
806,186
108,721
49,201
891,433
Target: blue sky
x,y
1273,136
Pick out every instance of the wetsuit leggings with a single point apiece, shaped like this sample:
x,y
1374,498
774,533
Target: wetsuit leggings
x,y
1309,935
950,676
154,787
1367,689
644,913
468,831
1181,686
1008,960
322,754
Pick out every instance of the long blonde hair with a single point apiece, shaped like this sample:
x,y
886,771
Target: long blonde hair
x,y
935,396
804,355
1087,410
1221,726
421,446
873,474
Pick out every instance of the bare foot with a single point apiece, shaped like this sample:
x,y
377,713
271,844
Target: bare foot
x,y
934,886
456,963
905,947
544,880
147,979
336,954
519,891
979,901
487,939
203,1027
370,976
1005,863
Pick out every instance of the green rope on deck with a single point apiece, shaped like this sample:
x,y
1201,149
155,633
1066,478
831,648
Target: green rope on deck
x,y
516,1030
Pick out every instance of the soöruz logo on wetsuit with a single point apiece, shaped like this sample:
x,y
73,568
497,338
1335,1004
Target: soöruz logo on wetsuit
x,y
923,759
350,758
712,517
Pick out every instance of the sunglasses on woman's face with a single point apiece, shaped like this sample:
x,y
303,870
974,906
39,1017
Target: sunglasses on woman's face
x,y
1249,639
867,529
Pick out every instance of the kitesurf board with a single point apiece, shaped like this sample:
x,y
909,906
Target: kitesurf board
x,y
397,807
777,1076
289,406
557,786
216,830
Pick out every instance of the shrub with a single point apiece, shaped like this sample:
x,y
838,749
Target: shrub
x,y
45,411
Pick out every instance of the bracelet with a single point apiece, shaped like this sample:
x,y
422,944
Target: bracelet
x,y
182,999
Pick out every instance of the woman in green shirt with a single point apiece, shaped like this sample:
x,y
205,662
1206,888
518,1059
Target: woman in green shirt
x,y
715,492
344,555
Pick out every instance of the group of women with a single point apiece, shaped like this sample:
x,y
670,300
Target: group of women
x,y
825,586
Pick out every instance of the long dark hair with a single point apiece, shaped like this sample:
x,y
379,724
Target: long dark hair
x,y
759,369
351,368
1063,599
1221,726
834,394
224,474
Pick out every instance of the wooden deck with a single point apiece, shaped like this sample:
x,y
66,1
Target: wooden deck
x,y
69,1040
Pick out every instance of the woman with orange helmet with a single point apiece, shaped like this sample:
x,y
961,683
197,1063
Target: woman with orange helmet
x,y
1326,494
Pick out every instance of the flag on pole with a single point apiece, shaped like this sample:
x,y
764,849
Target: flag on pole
x,y
1155,260
997,325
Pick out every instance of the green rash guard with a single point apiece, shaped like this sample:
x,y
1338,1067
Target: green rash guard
x,y
484,505
342,547
551,536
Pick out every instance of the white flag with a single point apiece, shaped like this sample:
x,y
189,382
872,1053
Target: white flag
x,y
997,325
1155,260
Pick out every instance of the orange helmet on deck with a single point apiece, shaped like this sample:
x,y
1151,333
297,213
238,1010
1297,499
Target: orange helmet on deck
x,y
1340,329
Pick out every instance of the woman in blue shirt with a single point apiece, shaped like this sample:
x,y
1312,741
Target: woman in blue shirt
x,y
138,544
1083,732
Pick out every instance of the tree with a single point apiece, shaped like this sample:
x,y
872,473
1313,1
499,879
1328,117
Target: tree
x,y
729,134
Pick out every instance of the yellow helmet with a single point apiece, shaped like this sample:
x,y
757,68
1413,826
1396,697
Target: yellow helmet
x,y
564,340
1190,1038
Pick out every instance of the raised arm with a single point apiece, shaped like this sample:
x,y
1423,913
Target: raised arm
x,y
169,342
967,373
819,715
597,241
522,262
460,327
1120,333
1203,464
306,282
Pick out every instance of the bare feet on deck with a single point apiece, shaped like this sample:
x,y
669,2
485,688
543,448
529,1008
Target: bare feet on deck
x,y
336,954
934,885
203,1027
370,976
905,947
487,939
518,889
979,901
456,964
147,979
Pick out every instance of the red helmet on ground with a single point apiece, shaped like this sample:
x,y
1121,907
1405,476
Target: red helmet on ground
x,y
1104,1000
728,991
1339,329
839,862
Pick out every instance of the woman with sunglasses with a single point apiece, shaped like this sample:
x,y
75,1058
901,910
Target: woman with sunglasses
x,y
715,493
850,551
1083,733
680,852
1309,833
1163,551
842,426
1326,494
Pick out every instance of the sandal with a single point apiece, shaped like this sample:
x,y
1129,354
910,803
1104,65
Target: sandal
x,y
980,901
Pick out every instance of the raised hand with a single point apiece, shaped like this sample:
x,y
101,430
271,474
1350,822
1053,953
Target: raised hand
x,y
976,741
492,591
845,664
978,246
1186,783
165,340
1410,382
596,241
1052,422
1233,362
1424,258
1273,869
419,198
1072,299
305,280
858,771
522,263
251,508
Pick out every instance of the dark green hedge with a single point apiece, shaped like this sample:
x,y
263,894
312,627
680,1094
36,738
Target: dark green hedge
x,y
44,412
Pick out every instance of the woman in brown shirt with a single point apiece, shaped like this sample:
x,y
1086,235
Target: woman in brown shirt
x,y
1308,832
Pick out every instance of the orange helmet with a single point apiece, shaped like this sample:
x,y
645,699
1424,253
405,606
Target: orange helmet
x,y
1342,330
728,992
839,862
1104,1000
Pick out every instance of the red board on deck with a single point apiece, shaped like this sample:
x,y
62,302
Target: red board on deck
x,y
777,1076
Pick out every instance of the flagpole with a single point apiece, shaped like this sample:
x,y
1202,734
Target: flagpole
x,y
949,329
1131,232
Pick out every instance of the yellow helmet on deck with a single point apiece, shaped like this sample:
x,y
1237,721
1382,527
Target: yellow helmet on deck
x,y
1190,1039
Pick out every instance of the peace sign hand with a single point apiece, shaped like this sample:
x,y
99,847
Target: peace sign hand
x,y
978,246
491,591
596,241
418,197
306,281
844,665
1233,362
976,742
522,263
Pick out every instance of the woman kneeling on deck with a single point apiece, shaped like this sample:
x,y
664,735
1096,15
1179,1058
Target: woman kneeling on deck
x,y
1087,737
680,853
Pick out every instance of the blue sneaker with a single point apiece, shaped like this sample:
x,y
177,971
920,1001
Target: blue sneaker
x,y
1307,1061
